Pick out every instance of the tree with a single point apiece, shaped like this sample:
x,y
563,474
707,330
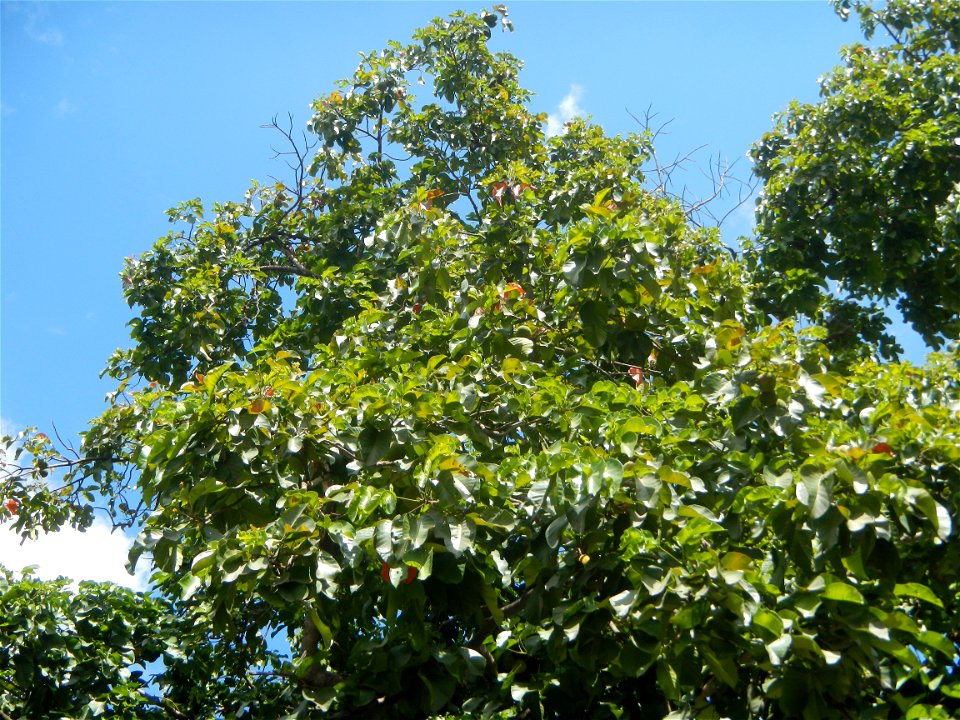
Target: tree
x,y
863,188
484,426
89,651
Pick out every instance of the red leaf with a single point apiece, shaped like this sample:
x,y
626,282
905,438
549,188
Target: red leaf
x,y
519,189
431,196
637,375
882,449
268,392
412,573
385,572
496,192
13,507
513,289
417,307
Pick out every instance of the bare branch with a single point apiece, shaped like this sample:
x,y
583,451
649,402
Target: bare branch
x,y
300,154
719,174
65,444
287,269
17,471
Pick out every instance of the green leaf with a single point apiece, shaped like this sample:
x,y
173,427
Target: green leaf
x,y
814,390
769,621
384,538
723,668
916,590
523,345
462,534
555,531
622,602
936,513
667,680
189,584
593,316
815,490
674,477
842,592
379,448
613,474
938,642
951,690
203,561
327,566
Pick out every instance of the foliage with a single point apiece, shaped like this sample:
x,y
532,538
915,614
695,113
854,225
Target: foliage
x,y
95,650
91,639
493,430
863,188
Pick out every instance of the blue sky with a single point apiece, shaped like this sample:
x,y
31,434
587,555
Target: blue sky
x,y
114,112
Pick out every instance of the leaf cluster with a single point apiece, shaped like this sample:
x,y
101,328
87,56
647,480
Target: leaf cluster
x,y
861,188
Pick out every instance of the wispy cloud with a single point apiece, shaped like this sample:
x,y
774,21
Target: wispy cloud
x,y
65,107
96,554
50,36
568,109
6,110
746,214
34,23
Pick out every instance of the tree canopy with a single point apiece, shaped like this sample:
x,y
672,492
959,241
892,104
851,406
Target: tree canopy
x,y
477,423
862,189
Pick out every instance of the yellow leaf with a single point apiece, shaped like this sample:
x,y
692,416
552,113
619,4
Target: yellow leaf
x,y
735,561
259,405
706,269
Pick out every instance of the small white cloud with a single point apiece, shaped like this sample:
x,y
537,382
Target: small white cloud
x,y
746,214
96,554
51,36
567,110
34,15
6,110
8,427
65,107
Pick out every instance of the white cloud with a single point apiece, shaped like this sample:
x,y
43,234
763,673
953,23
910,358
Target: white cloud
x,y
747,212
567,110
96,554
65,107
50,36
6,110
34,15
